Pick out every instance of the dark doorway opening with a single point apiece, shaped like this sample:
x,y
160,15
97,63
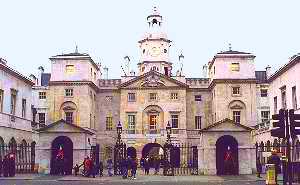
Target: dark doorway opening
x,y
166,71
154,151
175,157
131,152
61,144
227,156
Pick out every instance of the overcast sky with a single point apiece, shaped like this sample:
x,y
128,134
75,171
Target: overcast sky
x,y
32,31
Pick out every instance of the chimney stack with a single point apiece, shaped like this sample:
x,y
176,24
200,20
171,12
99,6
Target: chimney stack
x,y
204,70
268,71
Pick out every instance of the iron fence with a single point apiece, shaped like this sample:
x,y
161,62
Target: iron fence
x,y
24,156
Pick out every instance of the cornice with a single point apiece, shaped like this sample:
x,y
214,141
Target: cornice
x,y
78,83
215,81
16,74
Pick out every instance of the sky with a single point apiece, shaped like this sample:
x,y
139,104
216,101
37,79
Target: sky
x,y
31,31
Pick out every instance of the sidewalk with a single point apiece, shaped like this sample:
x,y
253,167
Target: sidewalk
x,y
140,178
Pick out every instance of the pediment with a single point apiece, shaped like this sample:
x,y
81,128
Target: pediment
x,y
153,79
62,127
226,125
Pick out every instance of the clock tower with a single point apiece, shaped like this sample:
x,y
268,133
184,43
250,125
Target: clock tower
x,y
154,47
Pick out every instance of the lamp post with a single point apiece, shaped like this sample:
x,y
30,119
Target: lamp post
x,y
119,132
168,128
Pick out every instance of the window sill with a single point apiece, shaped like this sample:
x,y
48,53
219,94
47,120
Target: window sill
x,y
236,95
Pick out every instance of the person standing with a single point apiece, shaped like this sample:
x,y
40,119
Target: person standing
x,y
76,169
5,166
275,159
100,169
109,167
1,163
258,167
12,165
146,165
133,168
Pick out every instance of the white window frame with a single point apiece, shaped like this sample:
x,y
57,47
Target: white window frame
x,y
42,121
131,120
174,96
42,95
131,97
108,123
238,91
174,119
198,122
152,96
69,92
236,116
67,116
265,116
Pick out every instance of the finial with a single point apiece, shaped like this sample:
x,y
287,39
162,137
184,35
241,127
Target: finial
x,y
230,48
76,49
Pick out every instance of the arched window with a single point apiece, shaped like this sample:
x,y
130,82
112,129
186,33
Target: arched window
x,y
237,111
23,152
12,145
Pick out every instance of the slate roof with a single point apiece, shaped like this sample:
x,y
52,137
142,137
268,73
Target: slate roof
x,y
261,76
222,121
45,78
63,121
233,52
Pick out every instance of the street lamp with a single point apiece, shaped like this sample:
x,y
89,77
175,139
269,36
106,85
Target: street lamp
x,y
168,128
119,132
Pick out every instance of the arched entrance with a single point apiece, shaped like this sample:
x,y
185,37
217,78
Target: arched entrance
x,y
65,144
131,152
227,162
153,151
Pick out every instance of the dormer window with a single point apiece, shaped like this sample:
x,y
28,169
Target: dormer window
x,y
235,66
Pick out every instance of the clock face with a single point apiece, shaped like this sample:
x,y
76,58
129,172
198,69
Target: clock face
x,y
155,51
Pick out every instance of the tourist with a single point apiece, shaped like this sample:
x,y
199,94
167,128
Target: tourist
x,y
124,167
93,168
275,159
76,169
100,169
5,166
258,167
146,165
156,165
1,167
12,165
110,167
133,168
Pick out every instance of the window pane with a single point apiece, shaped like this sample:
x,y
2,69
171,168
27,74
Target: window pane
x,y
42,118
263,92
108,123
235,67
131,96
174,120
198,98
237,116
197,122
69,117
131,124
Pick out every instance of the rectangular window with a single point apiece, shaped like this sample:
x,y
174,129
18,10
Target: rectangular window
x,y
265,116
237,116
108,98
42,118
23,108
198,122
275,104
174,121
153,96
152,125
283,97
131,97
69,117
131,124
294,98
109,123
1,100
95,75
236,90
13,101
235,67
42,95
263,92
70,69
198,98
174,96
69,92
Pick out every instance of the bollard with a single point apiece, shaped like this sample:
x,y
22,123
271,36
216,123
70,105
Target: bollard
x,y
270,177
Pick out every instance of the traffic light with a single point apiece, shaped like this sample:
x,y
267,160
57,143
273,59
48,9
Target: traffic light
x,y
278,126
294,123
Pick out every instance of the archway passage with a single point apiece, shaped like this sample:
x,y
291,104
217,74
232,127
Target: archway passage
x,y
61,146
227,162
131,152
154,151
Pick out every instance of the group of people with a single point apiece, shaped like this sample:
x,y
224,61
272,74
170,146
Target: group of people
x,y
273,159
90,168
8,166
147,162
129,167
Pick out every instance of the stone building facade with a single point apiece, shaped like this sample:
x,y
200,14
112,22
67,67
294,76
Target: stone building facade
x,y
216,113
15,107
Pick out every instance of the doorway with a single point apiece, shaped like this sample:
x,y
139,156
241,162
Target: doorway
x,y
61,146
227,162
